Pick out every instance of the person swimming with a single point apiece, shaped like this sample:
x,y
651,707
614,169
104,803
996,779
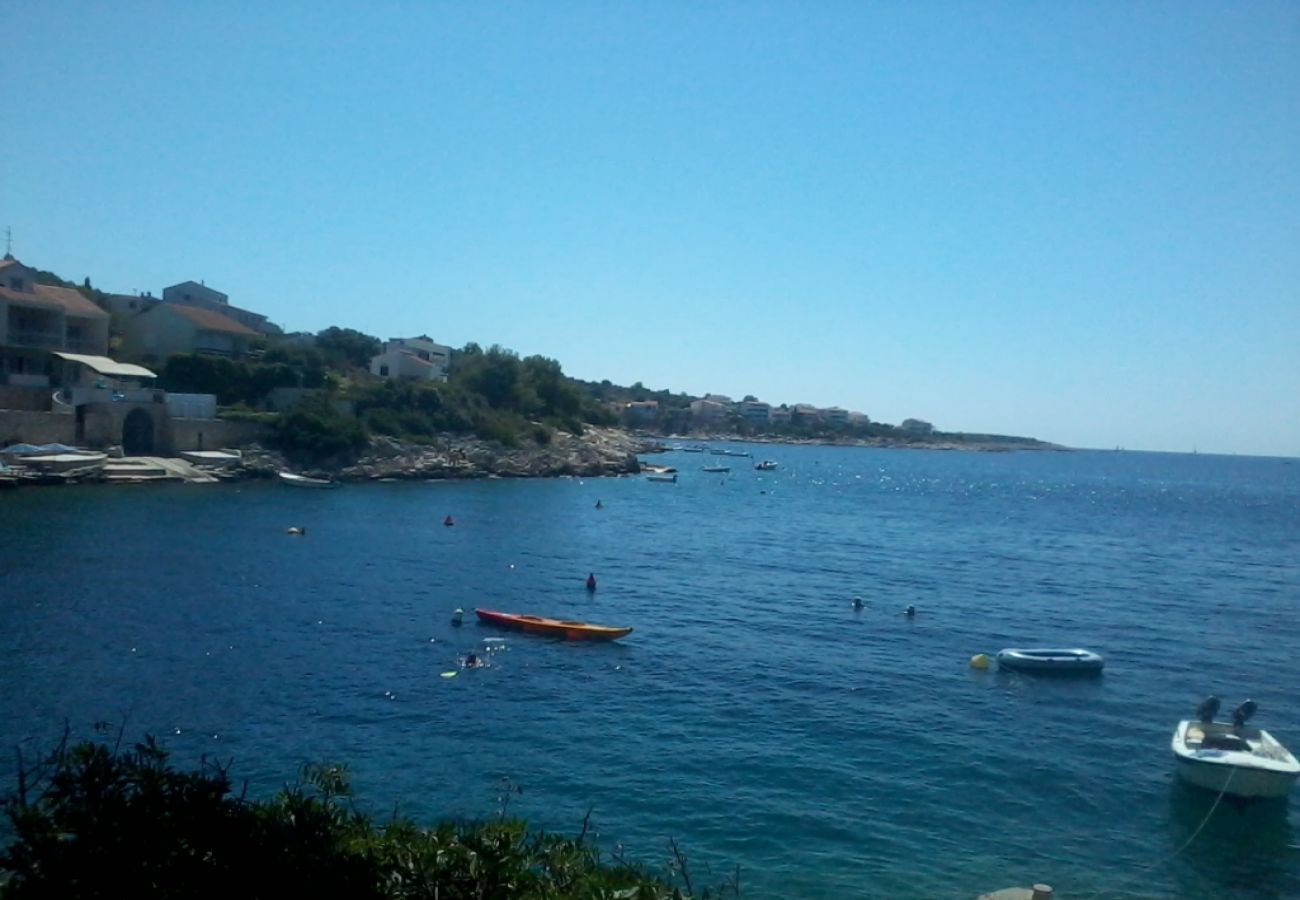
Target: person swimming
x,y
591,581
910,611
599,505
472,661
857,603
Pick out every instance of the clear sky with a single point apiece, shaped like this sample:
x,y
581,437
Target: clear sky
x,y
1077,221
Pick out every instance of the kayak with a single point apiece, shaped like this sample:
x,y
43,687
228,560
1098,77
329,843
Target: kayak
x,y
570,631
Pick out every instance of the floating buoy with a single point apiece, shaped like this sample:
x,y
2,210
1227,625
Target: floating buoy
x,y
294,529
591,581
979,661
457,616
448,521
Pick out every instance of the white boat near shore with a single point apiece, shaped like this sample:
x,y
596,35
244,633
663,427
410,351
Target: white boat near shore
x,y
1231,758
304,481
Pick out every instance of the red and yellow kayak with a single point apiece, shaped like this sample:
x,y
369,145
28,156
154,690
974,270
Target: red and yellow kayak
x,y
570,631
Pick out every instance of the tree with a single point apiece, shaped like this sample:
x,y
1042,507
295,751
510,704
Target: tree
x,y
347,345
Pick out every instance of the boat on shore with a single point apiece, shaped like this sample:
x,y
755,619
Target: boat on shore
x,y
568,630
1231,758
294,480
1051,660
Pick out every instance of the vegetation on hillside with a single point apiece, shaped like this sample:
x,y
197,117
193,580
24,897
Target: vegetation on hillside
x,y
94,821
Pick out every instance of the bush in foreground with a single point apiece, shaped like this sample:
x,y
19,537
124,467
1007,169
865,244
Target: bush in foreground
x,y
94,822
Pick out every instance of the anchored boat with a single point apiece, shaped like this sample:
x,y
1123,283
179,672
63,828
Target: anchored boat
x,y
1051,659
1231,758
570,631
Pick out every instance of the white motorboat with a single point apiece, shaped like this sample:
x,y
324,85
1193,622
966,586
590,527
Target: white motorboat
x,y
1051,659
716,469
767,465
1231,758
295,480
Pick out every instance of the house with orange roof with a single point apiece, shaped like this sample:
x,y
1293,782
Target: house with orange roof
x,y
36,319
197,294
170,328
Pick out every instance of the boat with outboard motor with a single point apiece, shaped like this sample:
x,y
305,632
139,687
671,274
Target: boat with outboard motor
x,y
1230,758
570,631
767,465
1053,660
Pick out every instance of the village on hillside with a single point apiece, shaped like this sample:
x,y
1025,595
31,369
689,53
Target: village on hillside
x,y
81,368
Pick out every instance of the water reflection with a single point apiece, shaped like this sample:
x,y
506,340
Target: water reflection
x,y
1242,848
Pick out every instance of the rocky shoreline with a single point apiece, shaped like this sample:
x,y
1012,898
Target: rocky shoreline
x,y
598,452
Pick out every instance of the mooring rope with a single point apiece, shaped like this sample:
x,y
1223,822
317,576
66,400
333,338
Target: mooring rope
x,y
1160,862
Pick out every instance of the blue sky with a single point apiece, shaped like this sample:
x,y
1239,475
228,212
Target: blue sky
x,y
1077,221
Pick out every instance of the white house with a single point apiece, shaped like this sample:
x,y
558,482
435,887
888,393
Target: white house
x,y
419,358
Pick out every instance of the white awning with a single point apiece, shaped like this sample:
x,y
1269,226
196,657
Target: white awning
x,y
105,366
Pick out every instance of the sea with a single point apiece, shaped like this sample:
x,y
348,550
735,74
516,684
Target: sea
x,y
754,719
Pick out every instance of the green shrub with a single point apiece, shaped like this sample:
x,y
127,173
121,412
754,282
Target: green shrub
x,y
93,822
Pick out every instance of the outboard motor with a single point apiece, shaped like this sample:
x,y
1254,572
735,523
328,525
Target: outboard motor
x,y
1208,709
1243,712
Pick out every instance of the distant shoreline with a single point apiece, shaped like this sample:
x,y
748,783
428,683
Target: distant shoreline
x,y
975,443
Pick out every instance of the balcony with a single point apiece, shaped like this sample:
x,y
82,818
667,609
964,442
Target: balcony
x,y
29,337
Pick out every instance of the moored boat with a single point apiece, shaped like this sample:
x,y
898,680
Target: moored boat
x,y
296,480
766,465
1230,758
716,469
570,631
669,479
1051,660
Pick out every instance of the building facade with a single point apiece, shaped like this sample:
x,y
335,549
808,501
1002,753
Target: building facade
x,y
417,358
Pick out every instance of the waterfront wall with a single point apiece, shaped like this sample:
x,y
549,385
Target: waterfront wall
x,y
26,426
212,434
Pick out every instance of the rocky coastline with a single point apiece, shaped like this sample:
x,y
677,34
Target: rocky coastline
x,y
597,452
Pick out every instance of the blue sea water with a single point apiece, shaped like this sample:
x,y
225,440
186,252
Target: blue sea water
x,y
752,715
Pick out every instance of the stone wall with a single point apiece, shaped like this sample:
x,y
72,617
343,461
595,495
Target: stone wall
x,y
21,426
27,398
212,434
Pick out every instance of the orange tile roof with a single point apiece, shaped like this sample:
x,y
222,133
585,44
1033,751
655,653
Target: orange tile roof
x,y
211,321
47,295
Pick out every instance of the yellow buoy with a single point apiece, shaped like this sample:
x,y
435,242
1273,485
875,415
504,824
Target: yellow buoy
x,y
979,661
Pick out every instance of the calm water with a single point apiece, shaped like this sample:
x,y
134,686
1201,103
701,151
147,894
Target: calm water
x,y
753,715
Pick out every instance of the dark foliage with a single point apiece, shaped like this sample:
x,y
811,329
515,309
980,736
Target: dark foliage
x,y
93,822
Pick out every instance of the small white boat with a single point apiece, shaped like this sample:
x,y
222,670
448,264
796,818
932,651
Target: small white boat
x,y
304,481
667,479
717,468
1050,659
766,465
1231,758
